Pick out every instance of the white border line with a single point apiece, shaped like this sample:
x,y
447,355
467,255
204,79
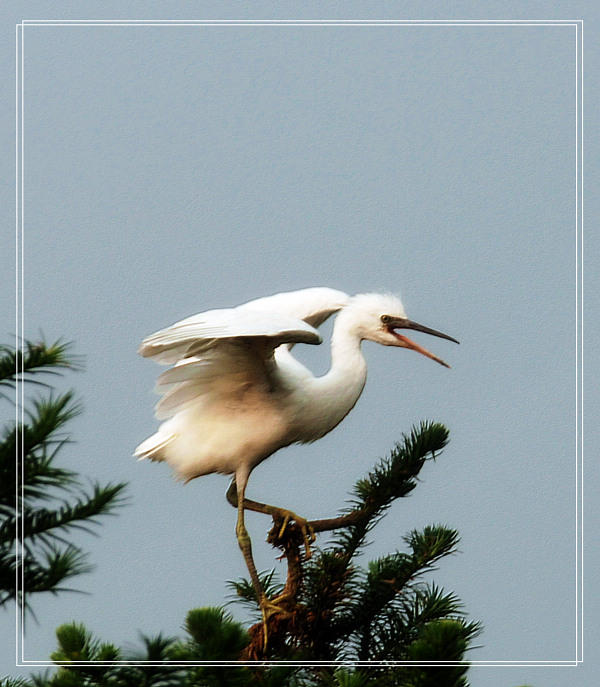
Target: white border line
x,y
580,198
19,320
18,537
576,336
19,283
289,23
579,336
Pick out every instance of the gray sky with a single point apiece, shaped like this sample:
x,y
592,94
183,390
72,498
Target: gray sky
x,y
170,170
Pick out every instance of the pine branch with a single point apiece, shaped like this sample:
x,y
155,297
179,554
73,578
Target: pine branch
x,y
45,572
245,592
393,478
46,568
431,603
78,645
55,567
432,543
39,442
36,476
324,594
75,643
43,522
29,476
22,365
403,619
48,417
440,640
390,578
157,649
330,581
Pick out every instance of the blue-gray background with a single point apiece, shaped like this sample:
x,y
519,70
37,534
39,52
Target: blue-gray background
x,y
170,170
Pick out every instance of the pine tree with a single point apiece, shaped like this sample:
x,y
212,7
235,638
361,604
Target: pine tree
x,y
342,625
335,610
40,502
379,626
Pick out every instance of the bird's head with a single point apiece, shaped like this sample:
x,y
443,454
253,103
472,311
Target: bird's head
x,y
378,318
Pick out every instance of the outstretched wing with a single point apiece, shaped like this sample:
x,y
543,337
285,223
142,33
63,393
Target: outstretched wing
x,y
207,330
283,318
312,305
227,354
222,355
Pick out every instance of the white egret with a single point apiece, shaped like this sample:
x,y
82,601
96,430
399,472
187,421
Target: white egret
x,y
235,393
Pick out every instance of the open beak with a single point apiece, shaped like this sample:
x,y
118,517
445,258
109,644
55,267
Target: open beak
x,y
402,323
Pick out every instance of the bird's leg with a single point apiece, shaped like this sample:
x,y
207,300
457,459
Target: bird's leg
x,y
268,607
280,514
245,545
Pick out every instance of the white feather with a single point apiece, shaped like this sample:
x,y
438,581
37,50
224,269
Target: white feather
x,y
235,394
202,331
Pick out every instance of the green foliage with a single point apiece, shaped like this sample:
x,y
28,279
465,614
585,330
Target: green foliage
x,y
376,614
21,364
213,638
246,594
85,661
40,503
343,677
213,635
393,478
15,682
385,614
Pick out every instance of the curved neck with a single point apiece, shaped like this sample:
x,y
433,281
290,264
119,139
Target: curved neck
x,y
333,395
347,361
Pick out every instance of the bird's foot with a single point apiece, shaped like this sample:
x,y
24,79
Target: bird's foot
x,y
308,534
269,608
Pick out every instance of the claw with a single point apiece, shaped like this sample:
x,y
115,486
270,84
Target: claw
x,y
308,534
269,608
286,519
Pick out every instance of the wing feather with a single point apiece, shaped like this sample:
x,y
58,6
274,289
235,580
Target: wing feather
x,y
312,305
221,355
199,332
225,375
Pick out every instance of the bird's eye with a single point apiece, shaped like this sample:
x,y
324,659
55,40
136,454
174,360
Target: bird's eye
x,y
386,319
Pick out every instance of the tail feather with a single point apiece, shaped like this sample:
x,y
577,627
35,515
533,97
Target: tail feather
x,y
153,446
